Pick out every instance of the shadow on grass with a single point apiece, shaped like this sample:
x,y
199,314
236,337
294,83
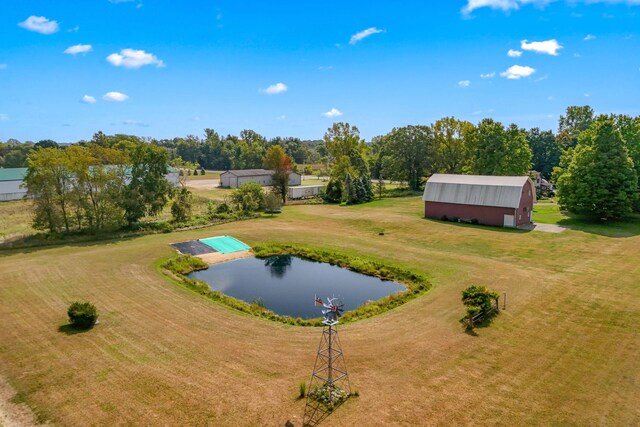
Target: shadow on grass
x,y
480,226
69,329
628,227
484,323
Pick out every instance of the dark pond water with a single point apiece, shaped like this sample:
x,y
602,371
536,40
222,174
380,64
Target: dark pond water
x,y
287,285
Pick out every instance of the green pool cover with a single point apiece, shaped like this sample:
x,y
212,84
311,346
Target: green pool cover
x,y
225,244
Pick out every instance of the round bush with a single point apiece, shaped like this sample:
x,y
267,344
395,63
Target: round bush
x,y
82,315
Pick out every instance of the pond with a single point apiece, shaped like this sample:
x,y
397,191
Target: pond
x,y
287,284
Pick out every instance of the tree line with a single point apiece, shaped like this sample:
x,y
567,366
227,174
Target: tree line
x,y
96,188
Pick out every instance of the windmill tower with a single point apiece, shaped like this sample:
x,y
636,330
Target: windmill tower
x,y
329,385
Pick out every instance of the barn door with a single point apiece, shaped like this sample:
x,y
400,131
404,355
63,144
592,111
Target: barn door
x,y
509,221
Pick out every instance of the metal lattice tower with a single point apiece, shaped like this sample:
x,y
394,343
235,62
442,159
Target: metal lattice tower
x,y
329,385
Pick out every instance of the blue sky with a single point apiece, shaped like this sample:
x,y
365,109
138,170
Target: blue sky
x,y
292,68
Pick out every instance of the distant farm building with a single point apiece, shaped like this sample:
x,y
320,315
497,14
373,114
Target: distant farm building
x,y
503,201
11,180
235,178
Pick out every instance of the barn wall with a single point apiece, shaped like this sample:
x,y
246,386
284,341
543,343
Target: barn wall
x,y
259,179
225,179
526,204
12,190
487,215
295,179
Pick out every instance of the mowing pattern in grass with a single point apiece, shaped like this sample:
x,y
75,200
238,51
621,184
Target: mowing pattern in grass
x,y
564,352
416,283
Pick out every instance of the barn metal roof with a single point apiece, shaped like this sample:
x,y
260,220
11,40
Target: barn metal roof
x,y
249,172
12,174
252,172
479,190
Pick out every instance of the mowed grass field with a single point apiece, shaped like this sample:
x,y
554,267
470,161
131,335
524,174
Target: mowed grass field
x,y
565,352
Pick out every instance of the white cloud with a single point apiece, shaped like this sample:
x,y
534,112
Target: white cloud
x,y
464,83
550,47
586,95
488,75
88,99
275,89
78,48
516,72
115,97
74,29
3,117
364,34
40,24
589,37
134,123
508,5
550,98
514,53
131,58
3,66
334,112
282,117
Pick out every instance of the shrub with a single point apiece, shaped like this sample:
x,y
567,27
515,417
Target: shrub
x,y
195,172
82,315
184,264
248,197
272,203
202,171
181,207
478,299
333,192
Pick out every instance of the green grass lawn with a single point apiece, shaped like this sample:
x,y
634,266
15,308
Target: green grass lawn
x,y
549,213
207,175
565,351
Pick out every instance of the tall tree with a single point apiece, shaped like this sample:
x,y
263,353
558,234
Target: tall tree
x,y
629,128
498,151
410,153
576,120
451,154
599,180
346,149
278,161
148,190
545,149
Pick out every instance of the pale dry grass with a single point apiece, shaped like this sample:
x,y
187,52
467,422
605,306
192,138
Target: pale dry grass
x,y
564,352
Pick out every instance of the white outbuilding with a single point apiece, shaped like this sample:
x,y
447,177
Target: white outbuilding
x,y
235,178
11,180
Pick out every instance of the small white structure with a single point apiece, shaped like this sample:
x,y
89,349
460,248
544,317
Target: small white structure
x,y
11,180
235,178
304,191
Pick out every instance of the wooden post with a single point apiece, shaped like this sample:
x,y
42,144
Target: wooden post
x,y
504,300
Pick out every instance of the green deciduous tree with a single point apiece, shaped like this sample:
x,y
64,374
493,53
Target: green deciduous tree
x,y
498,151
599,178
278,161
346,149
545,150
576,120
182,204
247,198
450,135
410,154
148,190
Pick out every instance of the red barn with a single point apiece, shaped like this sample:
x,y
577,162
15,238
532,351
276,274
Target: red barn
x,y
503,201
